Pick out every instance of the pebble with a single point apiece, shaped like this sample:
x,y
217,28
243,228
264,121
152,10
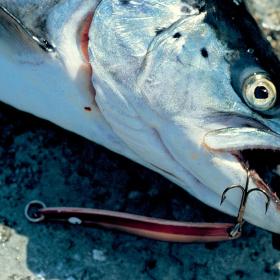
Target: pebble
x,y
98,255
5,234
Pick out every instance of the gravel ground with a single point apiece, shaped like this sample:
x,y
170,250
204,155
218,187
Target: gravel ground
x,y
267,15
40,161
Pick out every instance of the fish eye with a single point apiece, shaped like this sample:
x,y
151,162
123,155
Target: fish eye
x,y
259,92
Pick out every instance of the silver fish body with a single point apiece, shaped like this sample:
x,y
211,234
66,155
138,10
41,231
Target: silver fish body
x,y
164,86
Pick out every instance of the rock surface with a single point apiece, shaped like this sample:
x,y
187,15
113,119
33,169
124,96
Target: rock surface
x,y
41,161
267,15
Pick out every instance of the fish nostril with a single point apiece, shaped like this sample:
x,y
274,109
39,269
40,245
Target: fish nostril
x,y
84,37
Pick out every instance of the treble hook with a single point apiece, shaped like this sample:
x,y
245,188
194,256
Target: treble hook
x,y
237,229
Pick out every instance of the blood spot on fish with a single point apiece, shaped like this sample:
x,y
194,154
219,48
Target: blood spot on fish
x,y
87,109
204,52
177,35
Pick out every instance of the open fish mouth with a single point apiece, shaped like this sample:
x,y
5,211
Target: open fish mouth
x,y
264,165
261,158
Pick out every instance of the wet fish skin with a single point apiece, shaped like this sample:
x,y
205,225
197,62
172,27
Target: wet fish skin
x,y
167,77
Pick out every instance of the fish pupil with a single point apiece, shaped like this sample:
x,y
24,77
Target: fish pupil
x,y
261,92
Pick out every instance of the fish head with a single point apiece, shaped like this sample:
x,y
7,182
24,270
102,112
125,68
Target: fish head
x,y
194,94
181,87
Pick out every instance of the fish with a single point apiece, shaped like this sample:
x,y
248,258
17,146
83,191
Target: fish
x,y
187,88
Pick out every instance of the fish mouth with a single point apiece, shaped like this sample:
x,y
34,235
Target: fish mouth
x,y
256,149
264,168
